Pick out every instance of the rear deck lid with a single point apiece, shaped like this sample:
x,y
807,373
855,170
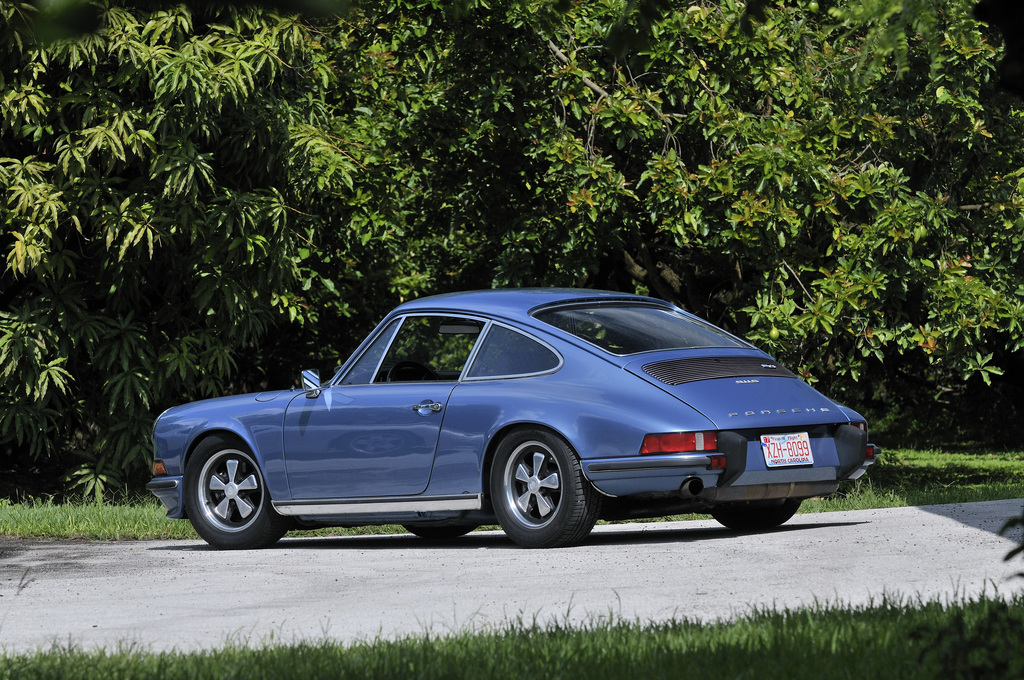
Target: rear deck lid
x,y
739,391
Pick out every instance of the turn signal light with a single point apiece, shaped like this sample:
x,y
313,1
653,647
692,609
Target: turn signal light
x,y
159,468
679,442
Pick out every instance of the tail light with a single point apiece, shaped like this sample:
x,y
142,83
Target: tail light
x,y
679,442
871,451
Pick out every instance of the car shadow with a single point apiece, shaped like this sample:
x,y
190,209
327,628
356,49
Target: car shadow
x,y
495,540
685,534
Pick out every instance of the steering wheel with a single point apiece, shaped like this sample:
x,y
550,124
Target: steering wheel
x,y
408,371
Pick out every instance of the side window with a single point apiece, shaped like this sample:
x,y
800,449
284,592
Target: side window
x,y
362,372
430,348
507,353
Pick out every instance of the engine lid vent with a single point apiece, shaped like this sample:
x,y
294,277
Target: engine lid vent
x,y
679,371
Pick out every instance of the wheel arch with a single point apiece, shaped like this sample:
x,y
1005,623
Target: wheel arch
x,y
554,505
223,433
237,512
505,431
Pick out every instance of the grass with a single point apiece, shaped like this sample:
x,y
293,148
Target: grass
x,y
983,637
902,477
907,477
46,519
140,520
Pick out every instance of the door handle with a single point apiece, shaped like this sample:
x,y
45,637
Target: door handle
x,y
427,407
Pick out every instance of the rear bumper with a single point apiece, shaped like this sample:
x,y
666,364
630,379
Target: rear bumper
x,y
169,491
649,474
751,493
744,478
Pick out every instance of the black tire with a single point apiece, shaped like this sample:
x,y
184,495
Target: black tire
x,y
539,493
439,532
755,517
226,498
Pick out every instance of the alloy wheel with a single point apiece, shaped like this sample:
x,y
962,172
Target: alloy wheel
x,y
230,491
533,486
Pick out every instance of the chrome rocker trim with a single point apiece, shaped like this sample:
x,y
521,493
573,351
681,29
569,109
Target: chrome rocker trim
x,y
362,506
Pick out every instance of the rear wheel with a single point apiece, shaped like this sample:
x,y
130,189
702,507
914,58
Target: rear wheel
x,y
539,493
755,517
226,498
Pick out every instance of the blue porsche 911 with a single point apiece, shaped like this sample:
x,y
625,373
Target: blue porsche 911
x,y
542,410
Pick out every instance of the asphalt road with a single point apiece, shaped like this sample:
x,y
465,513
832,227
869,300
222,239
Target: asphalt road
x,y
184,595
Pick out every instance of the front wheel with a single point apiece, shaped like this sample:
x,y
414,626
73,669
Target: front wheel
x,y
226,498
539,493
755,517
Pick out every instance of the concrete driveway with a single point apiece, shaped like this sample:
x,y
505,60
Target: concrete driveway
x,y
183,595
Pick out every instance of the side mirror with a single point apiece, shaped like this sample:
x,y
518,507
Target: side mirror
x,y
311,382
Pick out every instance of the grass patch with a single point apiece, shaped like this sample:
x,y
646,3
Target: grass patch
x,y
977,638
46,519
139,520
901,477
938,470
906,477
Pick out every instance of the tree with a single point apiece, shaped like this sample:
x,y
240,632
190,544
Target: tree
x,y
148,234
857,213
198,200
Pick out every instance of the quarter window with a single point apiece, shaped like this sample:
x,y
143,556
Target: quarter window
x,y
508,353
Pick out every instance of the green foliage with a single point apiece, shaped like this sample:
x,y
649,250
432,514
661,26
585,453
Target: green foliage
x,y
1015,524
93,478
199,199
855,210
867,219
847,219
148,237
979,642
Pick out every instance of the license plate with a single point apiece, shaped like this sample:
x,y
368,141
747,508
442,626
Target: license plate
x,y
782,450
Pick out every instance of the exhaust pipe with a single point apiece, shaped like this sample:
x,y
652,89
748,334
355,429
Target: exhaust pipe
x,y
691,487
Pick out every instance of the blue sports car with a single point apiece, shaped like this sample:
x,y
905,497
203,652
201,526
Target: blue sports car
x,y
543,410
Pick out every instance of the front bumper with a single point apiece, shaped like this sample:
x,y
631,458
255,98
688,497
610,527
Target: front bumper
x,y
169,490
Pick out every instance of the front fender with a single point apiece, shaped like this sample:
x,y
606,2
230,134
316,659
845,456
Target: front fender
x,y
256,419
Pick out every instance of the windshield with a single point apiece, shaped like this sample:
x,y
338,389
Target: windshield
x,y
630,329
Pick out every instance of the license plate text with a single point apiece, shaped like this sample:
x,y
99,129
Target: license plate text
x,y
781,450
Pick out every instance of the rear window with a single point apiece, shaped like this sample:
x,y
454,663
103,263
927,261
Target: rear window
x,y
631,329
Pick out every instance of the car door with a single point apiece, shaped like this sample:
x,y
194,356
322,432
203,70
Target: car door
x,y
374,433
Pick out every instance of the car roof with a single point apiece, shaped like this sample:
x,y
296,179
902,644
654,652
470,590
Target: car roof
x,y
514,303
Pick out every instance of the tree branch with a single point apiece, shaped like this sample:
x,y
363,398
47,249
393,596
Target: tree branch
x,y
600,91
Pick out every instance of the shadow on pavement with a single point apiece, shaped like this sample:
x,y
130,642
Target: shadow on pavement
x,y
990,516
494,540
